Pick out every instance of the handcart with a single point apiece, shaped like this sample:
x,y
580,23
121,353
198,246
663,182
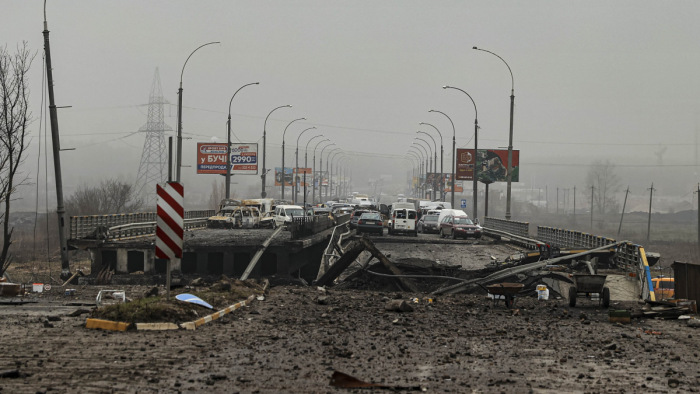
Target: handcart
x,y
505,291
586,286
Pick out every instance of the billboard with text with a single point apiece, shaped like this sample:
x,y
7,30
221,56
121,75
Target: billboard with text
x,y
492,165
211,158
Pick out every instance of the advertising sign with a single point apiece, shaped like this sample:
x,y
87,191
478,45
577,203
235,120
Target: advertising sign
x,y
244,159
492,165
211,158
288,177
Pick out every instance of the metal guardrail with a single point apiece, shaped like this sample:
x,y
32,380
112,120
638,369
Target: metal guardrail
x,y
571,239
127,224
521,229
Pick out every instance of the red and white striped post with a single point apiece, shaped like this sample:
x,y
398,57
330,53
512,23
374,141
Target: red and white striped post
x,y
170,225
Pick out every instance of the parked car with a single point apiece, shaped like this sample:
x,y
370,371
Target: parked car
x,y
403,220
285,213
459,227
429,224
370,222
356,216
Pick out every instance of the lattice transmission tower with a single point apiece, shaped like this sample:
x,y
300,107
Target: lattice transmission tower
x,y
154,158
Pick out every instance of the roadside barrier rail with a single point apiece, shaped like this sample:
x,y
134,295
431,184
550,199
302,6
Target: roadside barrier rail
x,y
571,239
521,229
128,224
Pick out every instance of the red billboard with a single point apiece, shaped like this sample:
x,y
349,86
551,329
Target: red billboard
x,y
492,165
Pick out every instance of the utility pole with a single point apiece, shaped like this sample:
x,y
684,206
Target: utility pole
x,y
557,201
55,138
624,204
651,193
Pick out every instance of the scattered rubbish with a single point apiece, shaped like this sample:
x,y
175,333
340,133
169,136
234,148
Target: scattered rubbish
x,y
69,292
193,299
343,380
694,322
620,316
398,306
9,289
117,296
37,287
505,291
669,309
542,292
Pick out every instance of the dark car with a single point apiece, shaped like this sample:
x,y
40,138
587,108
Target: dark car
x,y
370,222
429,224
356,217
459,227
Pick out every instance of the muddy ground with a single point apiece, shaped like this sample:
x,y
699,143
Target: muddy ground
x,y
297,337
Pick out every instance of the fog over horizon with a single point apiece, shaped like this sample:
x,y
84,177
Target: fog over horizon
x,y
594,81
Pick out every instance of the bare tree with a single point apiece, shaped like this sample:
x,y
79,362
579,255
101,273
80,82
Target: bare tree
x,y
218,193
110,196
605,182
14,121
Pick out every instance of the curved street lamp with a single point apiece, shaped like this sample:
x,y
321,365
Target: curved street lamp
x,y
343,175
263,193
434,159
509,170
415,167
179,111
422,169
306,164
320,178
328,156
295,173
228,145
314,172
429,152
330,178
442,161
476,151
454,143
283,169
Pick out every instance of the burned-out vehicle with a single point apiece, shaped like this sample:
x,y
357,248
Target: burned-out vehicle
x,y
235,216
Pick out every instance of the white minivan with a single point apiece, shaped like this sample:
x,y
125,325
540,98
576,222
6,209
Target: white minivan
x,y
403,220
285,213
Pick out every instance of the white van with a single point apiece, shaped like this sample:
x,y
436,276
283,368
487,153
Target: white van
x,y
403,220
285,213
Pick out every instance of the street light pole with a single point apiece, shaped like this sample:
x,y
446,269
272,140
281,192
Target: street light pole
x,y
313,177
330,172
283,173
509,171
295,185
423,152
442,153
416,168
306,165
434,159
330,179
320,179
454,133
263,193
476,148
228,145
179,112
429,164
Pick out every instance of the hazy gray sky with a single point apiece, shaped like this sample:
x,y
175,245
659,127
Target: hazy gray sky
x,y
594,80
